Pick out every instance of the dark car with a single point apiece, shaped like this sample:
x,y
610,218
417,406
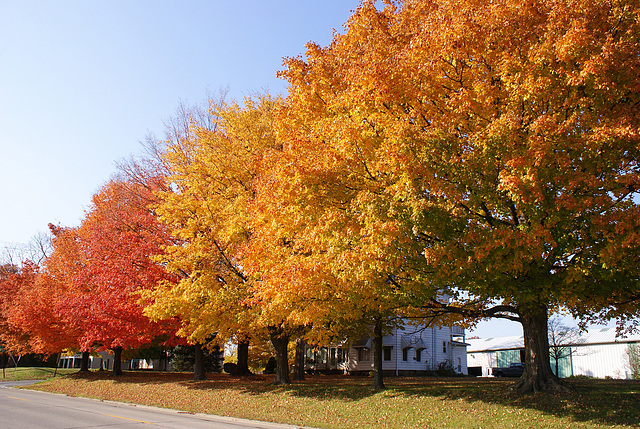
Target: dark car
x,y
515,369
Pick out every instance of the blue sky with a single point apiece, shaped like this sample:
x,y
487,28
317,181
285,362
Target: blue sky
x,y
83,82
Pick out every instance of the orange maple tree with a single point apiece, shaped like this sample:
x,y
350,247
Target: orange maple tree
x,y
14,336
30,303
489,149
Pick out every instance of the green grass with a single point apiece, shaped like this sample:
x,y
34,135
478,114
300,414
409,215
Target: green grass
x,y
33,373
347,402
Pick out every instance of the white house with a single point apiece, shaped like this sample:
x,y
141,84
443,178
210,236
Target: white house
x,y
596,353
104,360
408,350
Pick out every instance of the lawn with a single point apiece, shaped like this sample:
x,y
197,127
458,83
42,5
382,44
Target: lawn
x,y
347,402
33,373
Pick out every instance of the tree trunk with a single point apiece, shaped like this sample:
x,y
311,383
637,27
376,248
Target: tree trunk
x,y
55,371
242,367
15,364
117,361
298,373
378,382
198,365
280,341
84,362
537,376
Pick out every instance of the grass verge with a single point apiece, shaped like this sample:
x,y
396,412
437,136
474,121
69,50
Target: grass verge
x,y
347,402
33,373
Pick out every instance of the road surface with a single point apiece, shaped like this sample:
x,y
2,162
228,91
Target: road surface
x,y
30,409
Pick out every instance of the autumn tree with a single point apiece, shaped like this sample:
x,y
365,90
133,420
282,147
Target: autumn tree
x,y
34,312
323,262
14,280
116,240
212,167
293,268
60,271
30,298
489,148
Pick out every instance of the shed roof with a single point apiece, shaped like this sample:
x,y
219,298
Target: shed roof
x,y
607,335
591,336
495,343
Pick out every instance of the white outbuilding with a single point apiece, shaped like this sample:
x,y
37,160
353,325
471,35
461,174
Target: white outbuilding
x,y
599,353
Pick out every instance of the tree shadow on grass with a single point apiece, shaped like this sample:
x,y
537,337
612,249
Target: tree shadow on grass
x,y
133,377
329,387
609,402
319,387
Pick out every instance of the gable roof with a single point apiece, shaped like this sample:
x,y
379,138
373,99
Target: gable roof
x,y
591,336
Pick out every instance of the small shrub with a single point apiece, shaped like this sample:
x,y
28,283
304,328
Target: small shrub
x,y
271,366
445,369
183,358
230,367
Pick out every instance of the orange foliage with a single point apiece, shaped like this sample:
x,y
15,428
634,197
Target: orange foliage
x,y
497,141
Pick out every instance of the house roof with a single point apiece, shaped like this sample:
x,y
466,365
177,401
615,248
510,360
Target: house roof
x,y
362,342
591,336
412,341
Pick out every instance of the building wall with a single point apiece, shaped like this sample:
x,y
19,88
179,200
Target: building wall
x,y
593,360
426,349
102,360
105,360
484,360
601,360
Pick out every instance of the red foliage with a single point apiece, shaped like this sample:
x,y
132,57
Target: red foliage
x,y
117,240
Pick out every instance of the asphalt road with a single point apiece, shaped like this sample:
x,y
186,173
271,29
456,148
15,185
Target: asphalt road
x,y
30,409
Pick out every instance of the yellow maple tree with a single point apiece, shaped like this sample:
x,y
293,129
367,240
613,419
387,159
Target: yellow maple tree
x,y
211,174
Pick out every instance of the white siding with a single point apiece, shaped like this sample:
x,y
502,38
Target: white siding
x,y
485,360
356,365
600,353
601,360
436,347
460,358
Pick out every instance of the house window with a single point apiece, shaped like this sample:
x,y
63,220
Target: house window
x,y
363,354
418,355
323,355
386,353
343,355
405,354
444,347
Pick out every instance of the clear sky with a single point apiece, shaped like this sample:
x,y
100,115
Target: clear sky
x,y
83,82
